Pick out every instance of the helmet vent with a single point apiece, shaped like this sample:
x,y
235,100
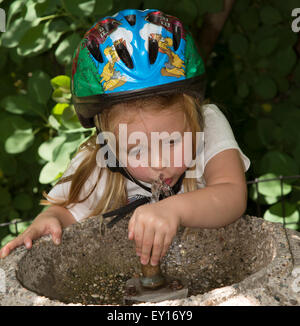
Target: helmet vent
x,y
131,19
95,51
109,26
123,54
176,36
153,50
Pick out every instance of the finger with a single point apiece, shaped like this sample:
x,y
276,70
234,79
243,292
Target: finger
x,y
131,226
138,237
28,236
157,249
167,243
18,241
147,245
56,232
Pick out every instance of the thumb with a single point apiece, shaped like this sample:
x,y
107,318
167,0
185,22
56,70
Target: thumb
x,y
56,233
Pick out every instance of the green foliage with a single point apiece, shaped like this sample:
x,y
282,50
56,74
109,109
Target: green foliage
x,y
258,45
254,72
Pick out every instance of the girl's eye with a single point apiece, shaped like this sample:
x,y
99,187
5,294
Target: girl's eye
x,y
174,141
135,151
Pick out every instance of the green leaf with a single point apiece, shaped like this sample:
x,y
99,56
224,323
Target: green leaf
x,y
62,82
296,153
13,214
14,8
208,6
47,148
60,96
51,170
186,9
53,30
103,7
19,141
59,108
14,34
295,97
22,104
17,122
243,89
67,148
65,50
297,73
21,227
69,118
30,14
252,139
287,37
273,188
17,104
265,128
261,199
238,44
241,6
22,202
53,122
270,15
80,7
249,19
275,214
266,46
39,87
279,164
282,83
290,128
7,239
284,60
8,163
5,197
32,42
46,7
265,88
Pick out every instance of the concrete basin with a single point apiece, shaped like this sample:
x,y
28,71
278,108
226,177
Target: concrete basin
x,y
249,262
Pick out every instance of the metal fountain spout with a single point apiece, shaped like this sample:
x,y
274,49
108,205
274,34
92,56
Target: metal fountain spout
x,y
152,286
152,277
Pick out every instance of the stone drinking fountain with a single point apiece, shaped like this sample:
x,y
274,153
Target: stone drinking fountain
x,y
249,262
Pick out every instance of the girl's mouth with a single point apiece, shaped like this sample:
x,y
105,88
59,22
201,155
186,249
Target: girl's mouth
x,y
168,181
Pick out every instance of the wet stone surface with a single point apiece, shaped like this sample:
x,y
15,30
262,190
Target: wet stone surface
x,y
249,262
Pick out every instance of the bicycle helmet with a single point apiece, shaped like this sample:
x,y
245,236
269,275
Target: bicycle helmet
x,y
131,54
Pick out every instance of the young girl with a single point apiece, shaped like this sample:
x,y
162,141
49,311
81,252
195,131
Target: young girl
x,y
141,69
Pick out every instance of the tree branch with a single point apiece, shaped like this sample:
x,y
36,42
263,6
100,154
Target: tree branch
x,y
212,25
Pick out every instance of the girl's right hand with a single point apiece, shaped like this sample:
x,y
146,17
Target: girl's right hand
x,y
42,225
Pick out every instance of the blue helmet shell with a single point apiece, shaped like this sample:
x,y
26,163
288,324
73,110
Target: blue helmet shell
x,y
130,52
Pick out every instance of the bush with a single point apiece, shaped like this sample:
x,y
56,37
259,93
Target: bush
x,y
253,72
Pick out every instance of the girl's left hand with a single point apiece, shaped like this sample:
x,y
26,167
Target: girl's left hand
x,y
153,226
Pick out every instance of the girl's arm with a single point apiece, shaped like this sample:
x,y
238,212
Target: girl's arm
x,y
51,221
222,201
61,213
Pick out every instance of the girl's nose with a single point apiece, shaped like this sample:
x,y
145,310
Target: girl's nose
x,y
160,161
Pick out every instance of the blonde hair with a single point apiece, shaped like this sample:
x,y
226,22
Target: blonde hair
x,y
115,192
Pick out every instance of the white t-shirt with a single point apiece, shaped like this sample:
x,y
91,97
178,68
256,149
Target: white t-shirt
x,y
218,136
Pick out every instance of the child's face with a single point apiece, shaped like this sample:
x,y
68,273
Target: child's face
x,y
156,159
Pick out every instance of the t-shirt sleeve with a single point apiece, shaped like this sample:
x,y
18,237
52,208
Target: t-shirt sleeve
x,y
218,135
61,191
